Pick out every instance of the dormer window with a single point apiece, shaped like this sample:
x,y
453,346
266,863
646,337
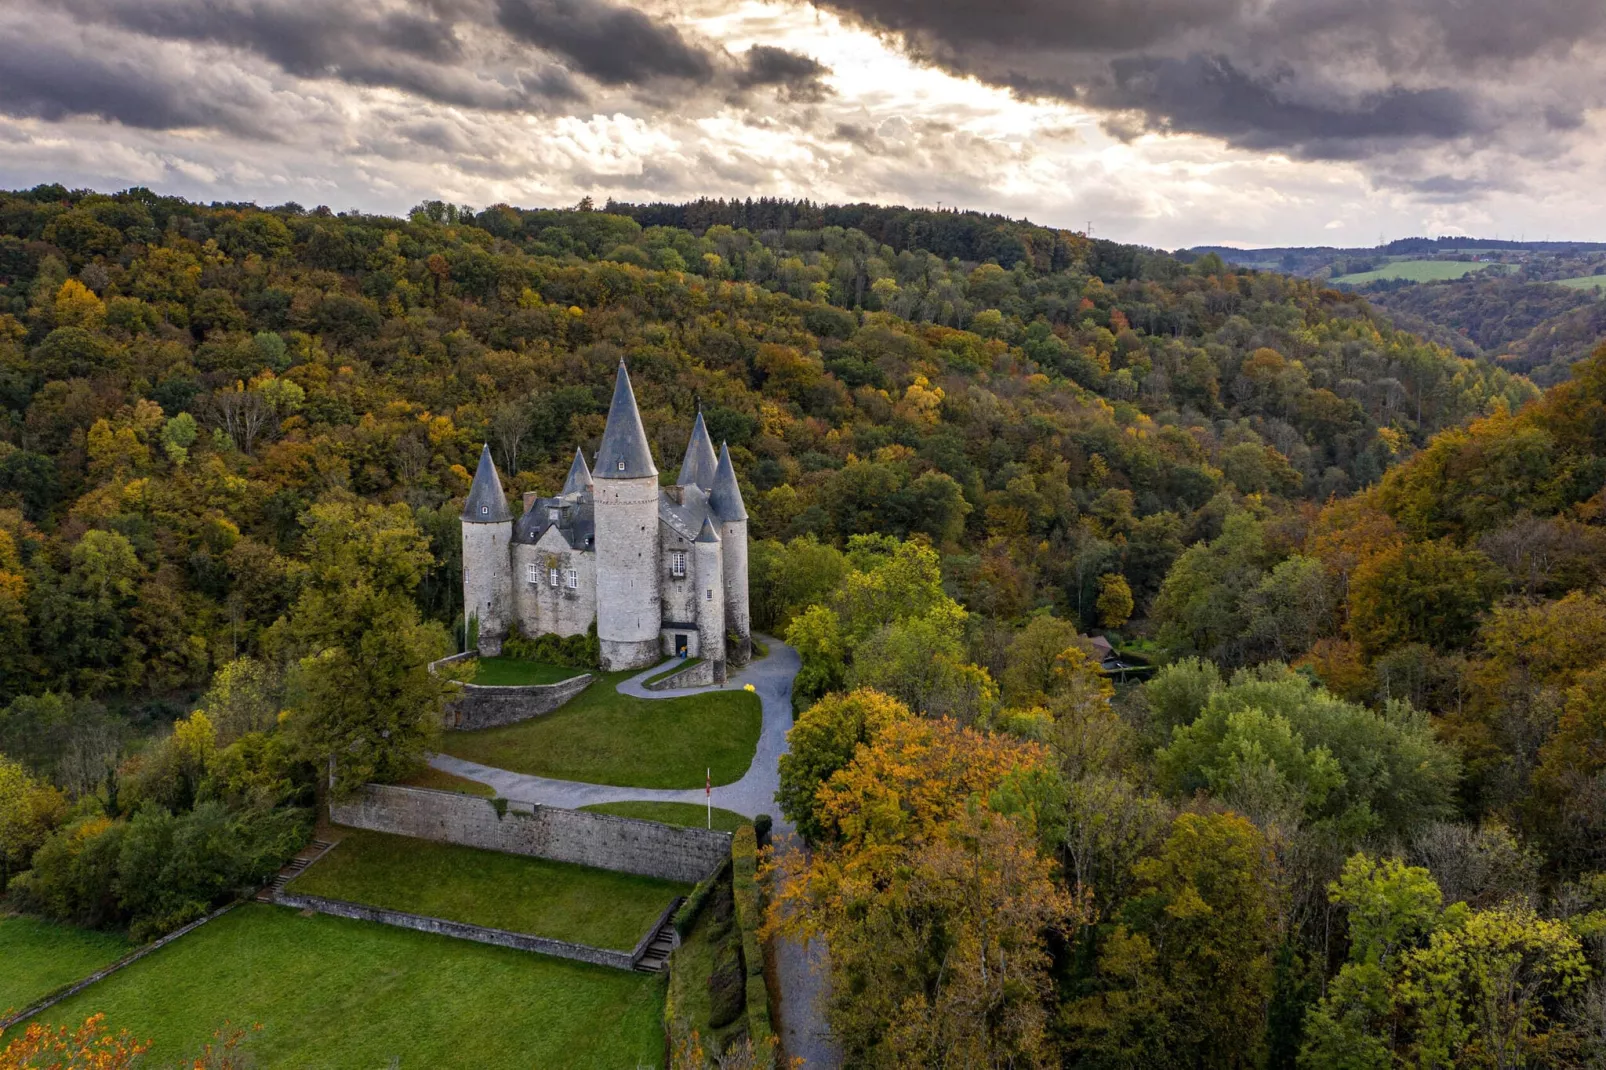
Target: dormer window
x,y
485,510
621,466
552,515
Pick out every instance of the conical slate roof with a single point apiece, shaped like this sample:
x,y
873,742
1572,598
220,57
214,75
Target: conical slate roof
x,y
579,480
624,453
726,497
708,534
698,467
486,503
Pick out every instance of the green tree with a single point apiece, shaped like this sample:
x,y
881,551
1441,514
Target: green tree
x,y
825,739
365,701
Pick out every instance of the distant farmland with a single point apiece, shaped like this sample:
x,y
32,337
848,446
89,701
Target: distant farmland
x,y
1584,282
1418,271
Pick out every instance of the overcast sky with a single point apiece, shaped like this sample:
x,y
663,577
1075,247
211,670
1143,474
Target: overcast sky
x,y
1166,122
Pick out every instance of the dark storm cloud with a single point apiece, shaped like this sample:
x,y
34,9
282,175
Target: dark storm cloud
x,y
54,81
613,44
1322,78
796,76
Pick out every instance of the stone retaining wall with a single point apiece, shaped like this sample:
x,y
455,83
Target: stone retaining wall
x,y
618,960
479,706
699,675
602,841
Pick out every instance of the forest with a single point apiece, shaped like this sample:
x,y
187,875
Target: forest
x,y
1346,809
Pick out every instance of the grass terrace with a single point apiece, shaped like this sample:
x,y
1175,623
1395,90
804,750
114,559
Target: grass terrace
x,y
351,995
1421,271
513,672
689,815
603,737
443,781
1584,282
37,957
524,895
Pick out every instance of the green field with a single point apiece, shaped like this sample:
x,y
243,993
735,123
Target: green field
x,y
603,737
443,781
1584,282
37,957
511,672
523,895
672,813
1419,271
334,993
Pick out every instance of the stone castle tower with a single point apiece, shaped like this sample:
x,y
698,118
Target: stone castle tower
x,y
659,570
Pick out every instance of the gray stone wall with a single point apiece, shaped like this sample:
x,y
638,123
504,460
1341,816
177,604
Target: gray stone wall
x,y
629,606
618,960
699,675
598,840
491,707
738,618
488,580
542,608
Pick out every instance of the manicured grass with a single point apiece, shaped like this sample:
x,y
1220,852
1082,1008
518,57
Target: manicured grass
x,y
334,993
443,781
682,666
603,737
37,957
1420,271
523,895
1584,282
511,672
672,813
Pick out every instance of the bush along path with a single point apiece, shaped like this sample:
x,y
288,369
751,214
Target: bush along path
x,y
750,796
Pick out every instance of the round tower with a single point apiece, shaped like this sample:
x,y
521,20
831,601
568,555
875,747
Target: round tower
x,y
487,559
625,495
710,599
725,500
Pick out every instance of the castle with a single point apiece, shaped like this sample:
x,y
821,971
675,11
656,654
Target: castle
x,y
660,570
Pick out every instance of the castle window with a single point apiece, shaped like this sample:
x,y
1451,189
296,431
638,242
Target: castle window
x,y
621,466
485,509
677,563
710,597
552,576
572,578
532,573
551,514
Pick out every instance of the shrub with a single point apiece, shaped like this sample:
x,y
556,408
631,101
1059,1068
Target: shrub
x,y
569,651
727,986
763,824
689,911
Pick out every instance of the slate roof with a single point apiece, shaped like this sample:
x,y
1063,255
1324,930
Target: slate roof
x,y
486,503
699,466
686,515
579,480
726,497
576,522
708,534
624,453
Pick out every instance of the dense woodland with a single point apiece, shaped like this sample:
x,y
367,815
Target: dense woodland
x,y
1353,817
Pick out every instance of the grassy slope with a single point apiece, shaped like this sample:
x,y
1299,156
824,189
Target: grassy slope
x,y
334,993
37,957
680,666
603,737
440,781
1419,271
670,813
525,895
511,672
1584,282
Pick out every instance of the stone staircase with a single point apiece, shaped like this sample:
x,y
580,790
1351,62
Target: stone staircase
x,y
297,865
656,958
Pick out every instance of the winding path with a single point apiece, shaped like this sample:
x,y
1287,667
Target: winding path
x,y
750,796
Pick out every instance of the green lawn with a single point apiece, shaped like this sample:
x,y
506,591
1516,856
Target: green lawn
x,y
603,737
511,672
1584,282
523,895
334,993
672,813
442,781
37,957
1420,271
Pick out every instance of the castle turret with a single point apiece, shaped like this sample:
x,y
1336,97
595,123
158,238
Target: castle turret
x,y
625,485
699,466
710,599
579,480
725,500
487,562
